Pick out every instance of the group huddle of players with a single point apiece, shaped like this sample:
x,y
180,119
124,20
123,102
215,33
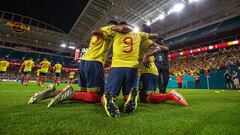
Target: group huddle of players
x,y
132,52
41,73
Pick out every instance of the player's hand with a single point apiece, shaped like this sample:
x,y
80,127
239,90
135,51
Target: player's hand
x,y
19,71
146,62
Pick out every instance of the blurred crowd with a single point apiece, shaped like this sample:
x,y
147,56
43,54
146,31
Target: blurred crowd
x,y
205,62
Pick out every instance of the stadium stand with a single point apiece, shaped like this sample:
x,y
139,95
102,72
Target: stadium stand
x,y
209,61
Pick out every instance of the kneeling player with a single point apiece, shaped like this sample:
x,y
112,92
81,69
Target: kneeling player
x,y
148,85
28,65
91,73
149,76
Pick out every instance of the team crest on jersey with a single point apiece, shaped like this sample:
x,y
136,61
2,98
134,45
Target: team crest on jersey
x,y
95,40
17,27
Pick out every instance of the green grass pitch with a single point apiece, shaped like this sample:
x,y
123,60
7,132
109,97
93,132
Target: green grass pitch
x,y
209,113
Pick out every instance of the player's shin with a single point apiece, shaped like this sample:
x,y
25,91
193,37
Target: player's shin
x,y
22,79
156,98
28,79
55,81
90,97
44,79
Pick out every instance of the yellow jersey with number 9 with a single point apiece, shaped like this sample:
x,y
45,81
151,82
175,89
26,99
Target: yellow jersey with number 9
x,y
28,64
45,66
143,50
99,47
126,48
4,65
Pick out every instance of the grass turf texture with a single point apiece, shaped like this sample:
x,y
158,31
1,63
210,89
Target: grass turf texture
x,y
208,113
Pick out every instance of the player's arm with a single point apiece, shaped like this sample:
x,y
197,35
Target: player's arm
x,y
121,28
97,32
153,49
117,28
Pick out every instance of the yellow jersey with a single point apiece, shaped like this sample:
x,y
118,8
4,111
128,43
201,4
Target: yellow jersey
x,y
38,72
99,47
126,48
4,65
57,68
28,64
71,74
144,48
45,66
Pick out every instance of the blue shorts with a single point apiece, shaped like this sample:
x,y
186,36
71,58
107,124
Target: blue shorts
x,y
71,79
2,73
118,78
148,84
57,75
26,73
91,76
43,74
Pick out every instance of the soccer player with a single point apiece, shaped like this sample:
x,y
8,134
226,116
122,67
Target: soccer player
x,y
71,77
149,77
123,72
91,73
38,74
57,69
27,69
3,68
45,65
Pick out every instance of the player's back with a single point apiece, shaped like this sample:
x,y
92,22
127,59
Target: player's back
x,y
28,64
71,74
126,49
45,66
3,65
98,47
58,68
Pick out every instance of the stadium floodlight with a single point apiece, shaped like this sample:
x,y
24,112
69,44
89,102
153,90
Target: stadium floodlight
x,y
136,29
72,47
148,23
161,16
176,8
63,45
192,1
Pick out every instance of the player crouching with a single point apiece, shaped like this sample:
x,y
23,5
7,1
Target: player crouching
x,y
148,85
